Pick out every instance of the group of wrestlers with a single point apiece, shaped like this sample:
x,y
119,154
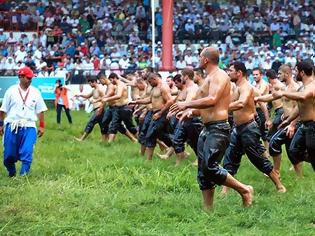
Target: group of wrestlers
x,y
218,113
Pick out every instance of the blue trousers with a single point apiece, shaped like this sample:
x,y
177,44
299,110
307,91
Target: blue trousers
x,y
18,146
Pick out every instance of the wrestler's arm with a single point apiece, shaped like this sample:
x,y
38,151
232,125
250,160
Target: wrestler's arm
x,y
119,94
299,96
243,99
214,94
166,95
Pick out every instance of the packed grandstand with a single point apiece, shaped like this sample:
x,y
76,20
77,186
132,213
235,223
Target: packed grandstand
x,y
76,38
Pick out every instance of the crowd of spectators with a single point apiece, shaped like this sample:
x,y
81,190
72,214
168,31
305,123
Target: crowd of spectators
x,y
79,37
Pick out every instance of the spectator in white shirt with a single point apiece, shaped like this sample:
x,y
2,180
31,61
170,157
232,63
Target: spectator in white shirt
x,y
3,37
42,68
87,66
38,54
189,27
61,71
9,66
124,62
188,58
11,39
266,65
50,21
134,39
249,63
181,63
289,59
20,54
107,25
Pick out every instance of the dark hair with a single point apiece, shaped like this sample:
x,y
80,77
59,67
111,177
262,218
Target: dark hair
x,y
239,66
91,79
59,82
199,71
305,66
188,72
170,76
259,69
152,76
178,78
100,75
113,75
150,69
312,62
271,74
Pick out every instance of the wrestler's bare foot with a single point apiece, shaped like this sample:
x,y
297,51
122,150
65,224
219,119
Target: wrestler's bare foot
x,y
78,139
276,171
299,169
281,189
163,156
274,176
195,163
248,196
180,157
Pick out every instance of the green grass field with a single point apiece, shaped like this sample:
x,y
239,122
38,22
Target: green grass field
x,y
92,188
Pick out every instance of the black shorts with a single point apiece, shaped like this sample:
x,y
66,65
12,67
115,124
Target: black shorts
x,y
95,119
122,114
107,118
261,124
245,138
144,127
276,142
212,143
275,122
157,130
187,131
304,142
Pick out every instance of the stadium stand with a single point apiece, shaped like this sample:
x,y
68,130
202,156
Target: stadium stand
x,y
75,38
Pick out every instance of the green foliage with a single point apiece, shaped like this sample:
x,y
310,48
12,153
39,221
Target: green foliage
x,y
93,188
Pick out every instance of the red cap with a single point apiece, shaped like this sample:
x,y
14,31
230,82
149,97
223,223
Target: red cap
x,y
26,71
60,64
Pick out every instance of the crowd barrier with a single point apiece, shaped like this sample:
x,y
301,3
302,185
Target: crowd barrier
x,y
45,85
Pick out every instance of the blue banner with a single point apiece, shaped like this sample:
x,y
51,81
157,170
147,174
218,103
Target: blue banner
x,y
45,85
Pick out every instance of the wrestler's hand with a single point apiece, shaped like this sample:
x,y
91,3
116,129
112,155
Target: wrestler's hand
x,y
277,94
169,115
157,116
141,118
177,107
1,130
183,115
104,100
99,111
268,124
40,131
136,112
132,103
290,131
283,124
